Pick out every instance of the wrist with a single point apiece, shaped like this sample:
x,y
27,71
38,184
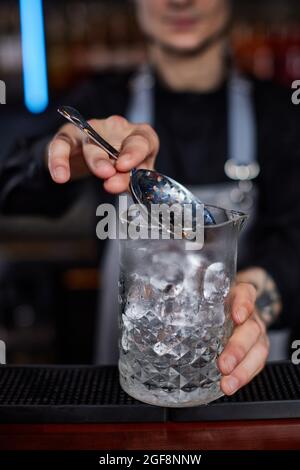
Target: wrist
x,y
268,301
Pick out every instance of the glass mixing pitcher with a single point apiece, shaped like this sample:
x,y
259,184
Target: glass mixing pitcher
x,y
174,316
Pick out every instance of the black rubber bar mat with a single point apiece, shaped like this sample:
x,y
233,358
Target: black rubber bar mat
x,y
90,394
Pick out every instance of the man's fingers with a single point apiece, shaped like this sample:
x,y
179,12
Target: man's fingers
x,y
247,369
140,146
58,159
117,184
242,300
98,161
243,339
70,155
59,152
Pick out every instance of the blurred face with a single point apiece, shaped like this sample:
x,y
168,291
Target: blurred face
x,y
182,25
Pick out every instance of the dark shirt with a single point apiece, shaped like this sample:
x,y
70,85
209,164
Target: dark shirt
x,y
193,133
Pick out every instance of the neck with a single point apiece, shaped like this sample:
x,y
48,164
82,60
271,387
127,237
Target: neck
x,y
203,72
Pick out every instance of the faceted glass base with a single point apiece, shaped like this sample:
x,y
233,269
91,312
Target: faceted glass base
x,y
175,398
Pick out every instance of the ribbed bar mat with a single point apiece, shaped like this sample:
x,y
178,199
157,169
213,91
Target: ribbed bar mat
x,y
89,394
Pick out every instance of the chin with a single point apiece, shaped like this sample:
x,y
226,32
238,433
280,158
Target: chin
x,y
183,44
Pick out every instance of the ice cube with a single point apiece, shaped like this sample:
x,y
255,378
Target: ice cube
x,y
218,315
182,310
125,340
194,269
161,348
167,278
135,311
216,283
134,291
140,290
127,323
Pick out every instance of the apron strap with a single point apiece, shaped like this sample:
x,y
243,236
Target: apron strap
x,y
141,102
242,133
241,121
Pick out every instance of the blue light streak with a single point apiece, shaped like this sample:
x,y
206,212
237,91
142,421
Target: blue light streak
x,y
34,55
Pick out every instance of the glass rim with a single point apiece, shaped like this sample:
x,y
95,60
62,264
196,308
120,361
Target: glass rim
x,y
237,216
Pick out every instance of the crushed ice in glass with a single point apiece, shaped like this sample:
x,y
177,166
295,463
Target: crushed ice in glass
x,y
173,327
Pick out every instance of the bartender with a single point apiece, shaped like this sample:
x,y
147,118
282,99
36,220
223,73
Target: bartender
x,y
230,139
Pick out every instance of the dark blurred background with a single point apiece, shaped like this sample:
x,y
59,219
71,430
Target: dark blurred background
x,y
49,269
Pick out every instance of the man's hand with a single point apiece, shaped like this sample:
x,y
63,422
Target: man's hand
x,y
247,349
71,155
